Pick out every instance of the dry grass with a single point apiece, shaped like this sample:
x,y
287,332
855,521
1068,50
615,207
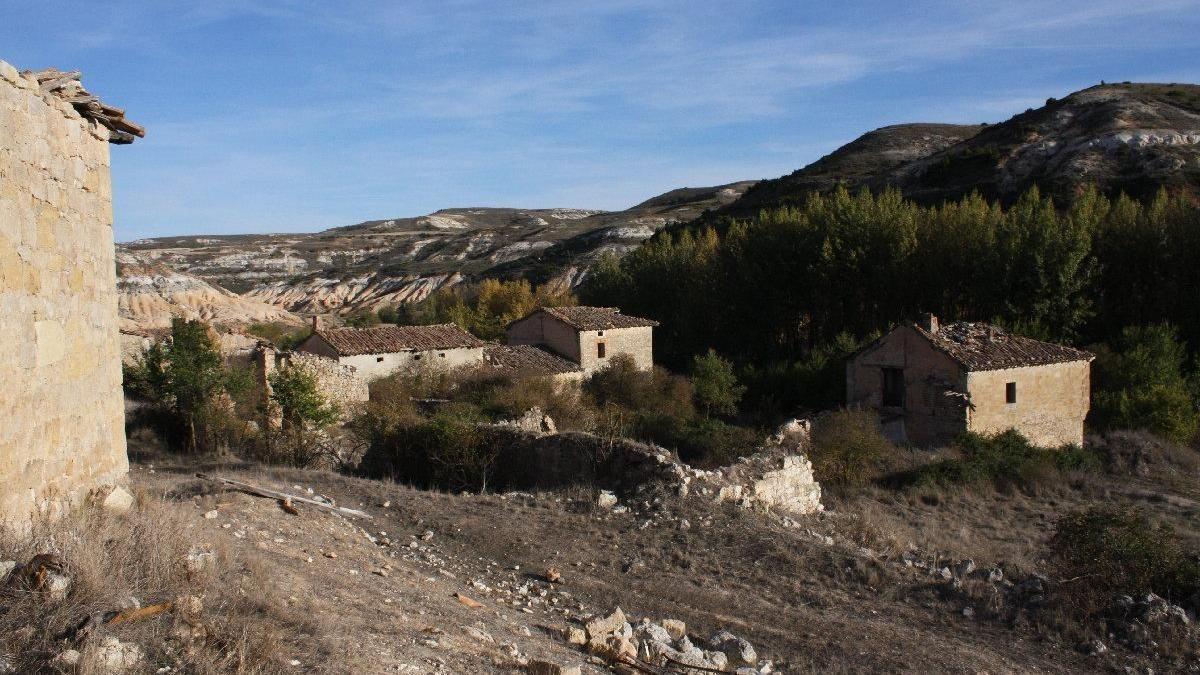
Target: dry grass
x,y
243,625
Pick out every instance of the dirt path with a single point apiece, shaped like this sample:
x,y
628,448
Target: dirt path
x,y
806,605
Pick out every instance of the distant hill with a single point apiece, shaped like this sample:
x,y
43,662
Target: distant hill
x,y
1131,138
381,263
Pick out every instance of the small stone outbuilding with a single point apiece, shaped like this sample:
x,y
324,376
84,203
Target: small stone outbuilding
x,y
930,383
383,350
588,336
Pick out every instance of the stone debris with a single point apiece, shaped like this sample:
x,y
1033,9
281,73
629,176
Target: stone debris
x,y
534,421
770,481
632,648
118,501
606,500
539,667
111,656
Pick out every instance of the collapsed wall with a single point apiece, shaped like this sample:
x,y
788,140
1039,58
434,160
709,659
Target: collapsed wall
x,y
63,431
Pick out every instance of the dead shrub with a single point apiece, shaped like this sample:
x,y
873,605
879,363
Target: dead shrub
x,y
242,624
848,448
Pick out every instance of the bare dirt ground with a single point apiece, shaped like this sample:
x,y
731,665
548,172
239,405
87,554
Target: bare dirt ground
x,y
807,602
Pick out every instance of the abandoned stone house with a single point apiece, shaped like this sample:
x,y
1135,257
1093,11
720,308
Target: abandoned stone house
x,y
930,383
380,351
525,361
63,435
587,336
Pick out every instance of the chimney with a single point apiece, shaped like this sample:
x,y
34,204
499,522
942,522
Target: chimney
x,y
316,323
928,323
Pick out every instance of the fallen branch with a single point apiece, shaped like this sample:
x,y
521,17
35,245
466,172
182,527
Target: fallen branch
x,y
276,495
131,615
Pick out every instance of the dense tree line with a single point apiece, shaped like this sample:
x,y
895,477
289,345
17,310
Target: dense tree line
x,y
807,284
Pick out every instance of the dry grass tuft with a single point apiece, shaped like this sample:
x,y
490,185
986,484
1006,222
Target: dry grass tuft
x,y
239,624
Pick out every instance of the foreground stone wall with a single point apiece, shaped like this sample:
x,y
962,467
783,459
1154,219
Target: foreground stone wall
x,y
63,432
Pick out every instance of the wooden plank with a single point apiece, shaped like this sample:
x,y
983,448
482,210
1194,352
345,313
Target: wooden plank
x,y
274,494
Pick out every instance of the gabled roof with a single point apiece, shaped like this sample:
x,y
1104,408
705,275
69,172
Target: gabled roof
x,y
391,339
981,346
596,318
527,361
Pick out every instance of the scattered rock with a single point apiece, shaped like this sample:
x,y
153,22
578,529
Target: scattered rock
x,y
603,626
553,575
606,500
1093,647
68,659
964,568
675,628
576,635
539,667
111,656
57,586
211,515
118,501
739,651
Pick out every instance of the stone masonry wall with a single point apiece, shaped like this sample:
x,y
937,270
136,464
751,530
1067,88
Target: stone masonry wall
x,y
340,384
63,432
1052,402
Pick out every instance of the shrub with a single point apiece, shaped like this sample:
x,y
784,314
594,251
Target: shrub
x,y
1005,460
191,388
1140,383
282,335
848,448
716,385
623,384
448,451
1104,552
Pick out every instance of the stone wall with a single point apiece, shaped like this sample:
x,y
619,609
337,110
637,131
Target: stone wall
x,y
340,384
1052,402
934,387
638,343
60,379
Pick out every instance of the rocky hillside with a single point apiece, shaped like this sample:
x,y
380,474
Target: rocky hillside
x,y
388,262
1130,138
151,294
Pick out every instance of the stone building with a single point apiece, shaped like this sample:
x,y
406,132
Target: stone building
x,y
931,383
588,336
338,383
63,433
524,361
383,350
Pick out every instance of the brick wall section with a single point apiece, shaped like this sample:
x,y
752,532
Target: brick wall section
x,y
60,379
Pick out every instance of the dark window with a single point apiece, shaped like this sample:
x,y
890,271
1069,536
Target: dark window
x,y
1010,392
599,350
378,359
442,354
600,333
417,357
893,387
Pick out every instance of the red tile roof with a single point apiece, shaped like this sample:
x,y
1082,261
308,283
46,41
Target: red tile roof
x,y
391,339
981,346
527,361
596,318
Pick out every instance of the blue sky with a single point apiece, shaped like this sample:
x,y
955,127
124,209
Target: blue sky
x,y
297,115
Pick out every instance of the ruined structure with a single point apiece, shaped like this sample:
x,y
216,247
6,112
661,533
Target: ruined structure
x,y
63,434
589,336
340,384
383,350
931,383
522,361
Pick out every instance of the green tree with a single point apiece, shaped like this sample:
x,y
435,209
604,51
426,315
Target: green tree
x,y
716,385
1140,382
300,401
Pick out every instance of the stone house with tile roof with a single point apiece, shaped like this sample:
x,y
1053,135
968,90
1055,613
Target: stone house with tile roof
x,y
931,382
587,336
380,351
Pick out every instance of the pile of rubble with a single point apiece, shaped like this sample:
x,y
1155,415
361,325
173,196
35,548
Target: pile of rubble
x,y
662,647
